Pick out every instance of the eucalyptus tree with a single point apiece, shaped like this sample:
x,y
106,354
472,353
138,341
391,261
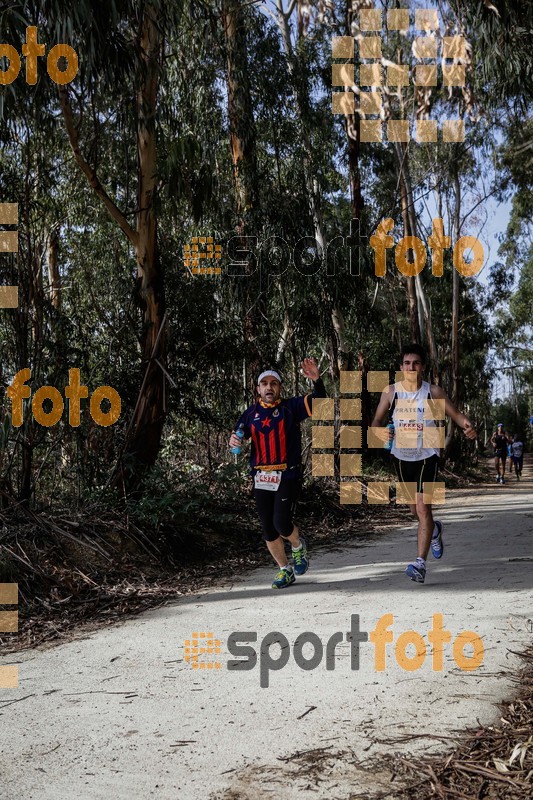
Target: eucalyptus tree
x,y
121,42
501,38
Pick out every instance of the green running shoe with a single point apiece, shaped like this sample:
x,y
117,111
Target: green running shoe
x,y
299,558
284,578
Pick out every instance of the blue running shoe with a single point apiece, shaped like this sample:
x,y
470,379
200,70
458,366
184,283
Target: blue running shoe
x,y
416,572
437,545
284,578
299,558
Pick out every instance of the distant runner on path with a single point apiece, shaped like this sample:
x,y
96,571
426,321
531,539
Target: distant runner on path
x,y
273,424
417,464
517,448
499,442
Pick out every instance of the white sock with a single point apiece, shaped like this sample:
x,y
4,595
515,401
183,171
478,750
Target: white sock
x,y
294,549
420,562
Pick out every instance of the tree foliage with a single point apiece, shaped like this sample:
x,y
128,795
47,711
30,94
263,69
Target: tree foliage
x,y
293,181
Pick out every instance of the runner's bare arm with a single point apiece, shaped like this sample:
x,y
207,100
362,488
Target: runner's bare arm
x,y
383,407
450,410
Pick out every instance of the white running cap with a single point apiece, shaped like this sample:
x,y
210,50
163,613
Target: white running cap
x,y
266,373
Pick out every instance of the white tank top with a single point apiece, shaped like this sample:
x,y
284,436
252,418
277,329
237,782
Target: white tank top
x,y
415,421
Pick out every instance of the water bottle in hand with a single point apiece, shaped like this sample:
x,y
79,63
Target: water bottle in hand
x,y
240,433
389,444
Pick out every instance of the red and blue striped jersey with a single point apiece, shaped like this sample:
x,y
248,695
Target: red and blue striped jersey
x,y
274,429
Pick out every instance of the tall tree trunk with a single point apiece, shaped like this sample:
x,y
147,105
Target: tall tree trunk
x,y
242,131
454,390
242,136
25,332
366,400
354,174
455,293
414,320
30,331
352,134
143,437
147,423
300,104
286,340
344,356
418,304
54,280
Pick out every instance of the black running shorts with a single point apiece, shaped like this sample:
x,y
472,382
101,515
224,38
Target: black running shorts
x,y
275,509
419,472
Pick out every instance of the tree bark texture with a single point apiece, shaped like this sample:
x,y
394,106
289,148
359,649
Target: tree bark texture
x,y
143,437
242,136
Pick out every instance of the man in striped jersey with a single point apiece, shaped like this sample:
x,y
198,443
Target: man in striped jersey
x,y
273,425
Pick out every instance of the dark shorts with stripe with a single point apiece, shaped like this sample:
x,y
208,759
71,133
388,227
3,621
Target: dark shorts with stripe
x,y
275,509
419,472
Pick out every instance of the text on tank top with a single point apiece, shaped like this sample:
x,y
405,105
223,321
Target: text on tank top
x,y
408,416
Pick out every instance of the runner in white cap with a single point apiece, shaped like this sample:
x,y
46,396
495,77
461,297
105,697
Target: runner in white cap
x,y
273,425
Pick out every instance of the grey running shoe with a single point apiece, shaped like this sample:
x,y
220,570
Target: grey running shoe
x,y
437,545
416,572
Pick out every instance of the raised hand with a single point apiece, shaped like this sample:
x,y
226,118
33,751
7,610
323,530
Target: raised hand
x,y
310,369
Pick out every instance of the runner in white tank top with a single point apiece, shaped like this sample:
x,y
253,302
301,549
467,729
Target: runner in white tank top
x,y
416,422
415,464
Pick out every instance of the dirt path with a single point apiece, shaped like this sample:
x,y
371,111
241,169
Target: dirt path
x,y
120,712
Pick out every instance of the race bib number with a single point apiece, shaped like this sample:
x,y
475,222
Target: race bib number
x,y
267,480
